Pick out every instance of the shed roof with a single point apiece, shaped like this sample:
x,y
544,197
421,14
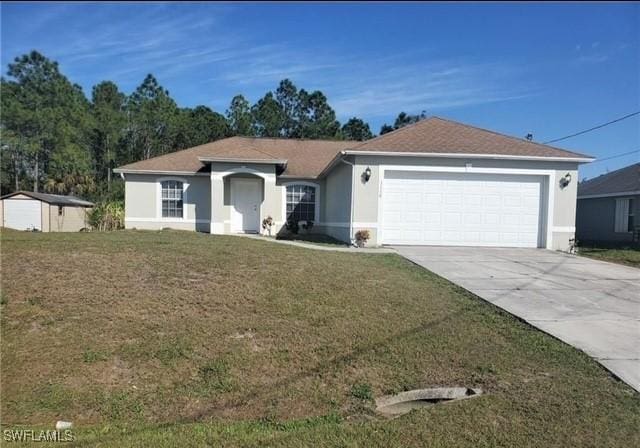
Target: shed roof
x,y
53,199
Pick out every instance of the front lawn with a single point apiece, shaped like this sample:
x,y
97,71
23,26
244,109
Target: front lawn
x,y
182,339
628,256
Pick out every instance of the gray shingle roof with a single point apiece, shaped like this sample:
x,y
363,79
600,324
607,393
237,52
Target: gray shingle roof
x,y
53,199
624,180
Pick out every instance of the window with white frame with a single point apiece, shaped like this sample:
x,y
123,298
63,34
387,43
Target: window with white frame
x,y
624,215
301,202
172,194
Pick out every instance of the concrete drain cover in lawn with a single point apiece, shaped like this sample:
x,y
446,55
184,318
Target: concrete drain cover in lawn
x,y
413,399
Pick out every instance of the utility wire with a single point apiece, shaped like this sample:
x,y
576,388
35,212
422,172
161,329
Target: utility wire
x,y
616,156
593,128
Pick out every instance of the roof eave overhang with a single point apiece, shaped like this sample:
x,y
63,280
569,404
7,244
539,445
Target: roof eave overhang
x,y
348,152
242,160
165,172
301,177
609,195
470,156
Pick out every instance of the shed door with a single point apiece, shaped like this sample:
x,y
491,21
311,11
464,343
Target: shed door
x,y
461,209
22,214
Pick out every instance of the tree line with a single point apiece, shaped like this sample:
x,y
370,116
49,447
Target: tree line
x,y
55,139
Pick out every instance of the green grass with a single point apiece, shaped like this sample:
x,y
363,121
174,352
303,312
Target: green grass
x,y
627,256
362,391
182,339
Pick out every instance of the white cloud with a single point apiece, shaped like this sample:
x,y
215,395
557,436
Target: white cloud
x,y
431,86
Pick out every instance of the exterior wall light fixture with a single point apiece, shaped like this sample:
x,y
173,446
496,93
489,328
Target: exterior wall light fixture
x,y
367,174
565,180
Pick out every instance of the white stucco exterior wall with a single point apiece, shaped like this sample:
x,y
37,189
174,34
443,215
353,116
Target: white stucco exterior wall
x,y
336,202
143,208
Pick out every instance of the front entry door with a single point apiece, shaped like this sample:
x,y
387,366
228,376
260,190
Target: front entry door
x,y
246,195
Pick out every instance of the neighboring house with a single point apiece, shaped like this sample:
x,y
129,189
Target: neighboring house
x,y
436,182
609,207
25,210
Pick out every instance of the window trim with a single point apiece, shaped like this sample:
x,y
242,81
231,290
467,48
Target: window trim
x,y
315,185
624,219
185,188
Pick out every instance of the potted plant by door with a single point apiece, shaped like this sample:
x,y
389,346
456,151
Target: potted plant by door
x,y
267,224
362,236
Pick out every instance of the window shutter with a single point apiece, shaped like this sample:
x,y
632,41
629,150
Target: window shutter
x,y
622,215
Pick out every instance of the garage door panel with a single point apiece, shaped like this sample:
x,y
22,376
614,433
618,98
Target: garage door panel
x,y
413,197
472,200
514,201
393,220
491,219
492,200
452,198
433,198
414,235
413,217
432,235
510,220
510,238
452,219
472,219
470,237
394,198
433,218
461,209
530,202
529,220
22,214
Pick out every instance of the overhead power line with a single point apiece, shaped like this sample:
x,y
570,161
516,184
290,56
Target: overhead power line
x,y
594,128
616,156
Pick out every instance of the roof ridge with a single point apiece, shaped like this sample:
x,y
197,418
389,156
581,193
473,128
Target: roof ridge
x,y
258,150
290,138
403,128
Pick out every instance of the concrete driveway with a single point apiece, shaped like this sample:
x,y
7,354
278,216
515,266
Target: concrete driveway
x,y
592,305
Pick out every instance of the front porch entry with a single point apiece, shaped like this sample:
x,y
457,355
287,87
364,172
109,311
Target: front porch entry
x,y
246,198
242,196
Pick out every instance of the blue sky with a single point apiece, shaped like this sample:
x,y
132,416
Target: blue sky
x,y
548,69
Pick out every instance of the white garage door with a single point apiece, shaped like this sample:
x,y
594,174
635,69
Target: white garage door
x,y
22,214
461,209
